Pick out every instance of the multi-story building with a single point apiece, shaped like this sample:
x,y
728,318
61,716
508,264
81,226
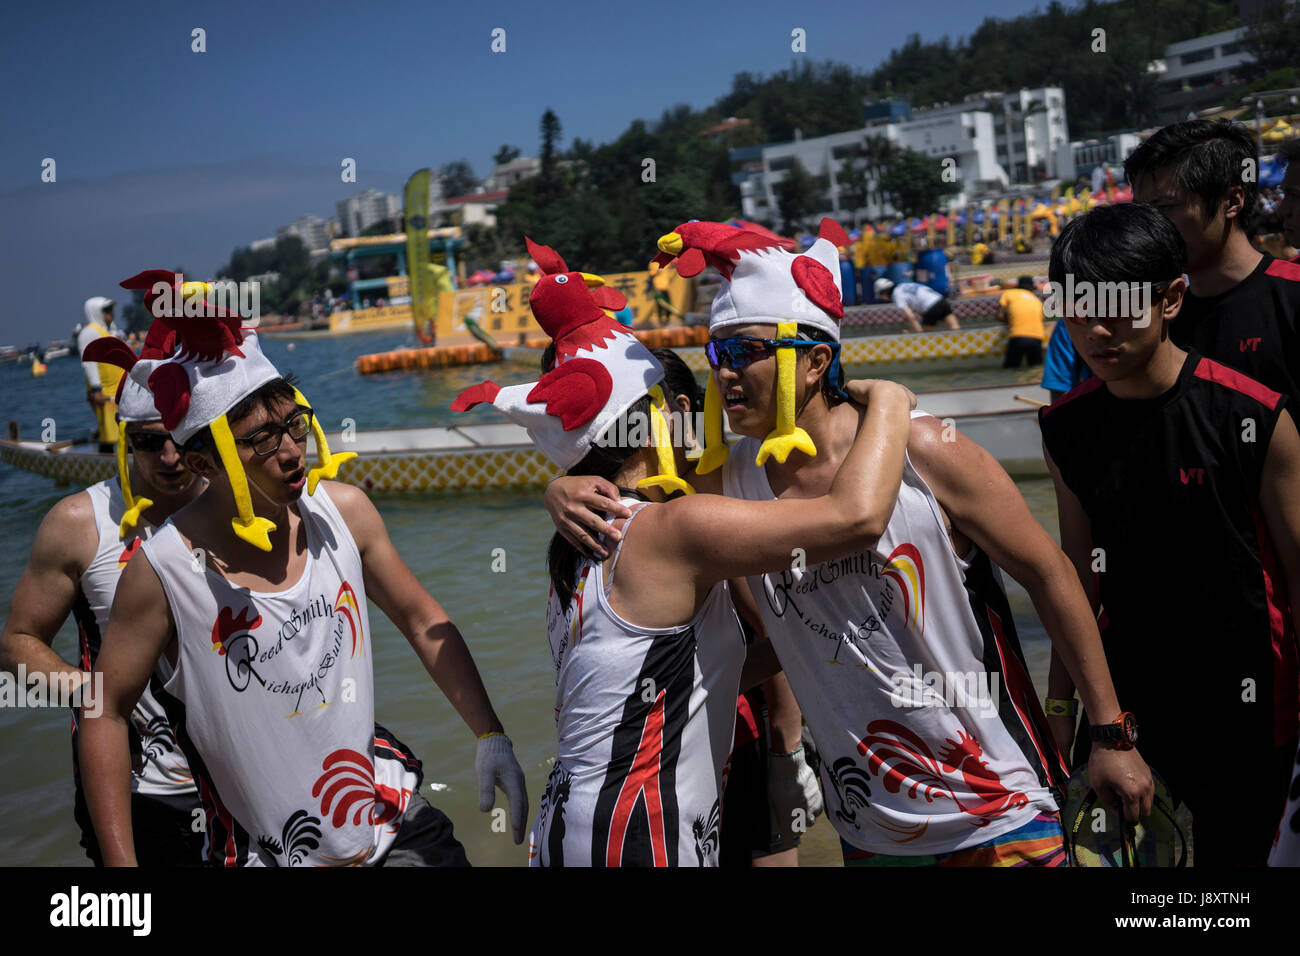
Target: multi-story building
x,y
505,175
993,140
312,230
1199,73
367,208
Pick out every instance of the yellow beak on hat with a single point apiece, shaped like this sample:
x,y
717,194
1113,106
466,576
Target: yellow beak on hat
x,y
671,243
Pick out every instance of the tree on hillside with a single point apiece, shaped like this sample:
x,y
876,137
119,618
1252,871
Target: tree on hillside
x,y
505,154
796,197
1273,38
913,183
458,178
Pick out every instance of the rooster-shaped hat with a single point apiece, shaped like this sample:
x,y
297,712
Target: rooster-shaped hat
x,y
765,283
134,402
204,365
601,370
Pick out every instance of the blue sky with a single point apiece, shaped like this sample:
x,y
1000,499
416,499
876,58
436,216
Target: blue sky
x,y
169,157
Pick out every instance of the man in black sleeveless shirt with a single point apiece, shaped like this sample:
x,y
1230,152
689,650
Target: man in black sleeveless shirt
x,y
1176,482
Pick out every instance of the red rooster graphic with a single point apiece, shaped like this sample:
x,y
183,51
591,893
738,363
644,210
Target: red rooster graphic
x,y
906,760
348,785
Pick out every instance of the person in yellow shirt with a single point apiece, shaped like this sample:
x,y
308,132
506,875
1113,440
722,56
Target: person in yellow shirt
x,y
101,379
1022,310
979,253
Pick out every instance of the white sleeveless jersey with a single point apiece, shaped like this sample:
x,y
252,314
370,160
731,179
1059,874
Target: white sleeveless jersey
x,y
905,663
645,718
272,699
164,770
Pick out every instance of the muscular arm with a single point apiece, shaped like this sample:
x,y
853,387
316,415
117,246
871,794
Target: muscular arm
x,y
139,630
47,590
1076,542
399,594
984,504
1279,498
761,536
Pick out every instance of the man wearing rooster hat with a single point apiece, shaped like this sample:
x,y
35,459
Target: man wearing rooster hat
x,y
903,656
249,608
77,559
648,660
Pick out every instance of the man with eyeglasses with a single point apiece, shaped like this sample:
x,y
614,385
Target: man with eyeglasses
x,y
1176,488
77,559
251,611
903,657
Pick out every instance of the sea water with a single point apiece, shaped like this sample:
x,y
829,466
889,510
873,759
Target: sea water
x,y
451,543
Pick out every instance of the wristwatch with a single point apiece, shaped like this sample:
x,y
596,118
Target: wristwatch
x,y
1122,731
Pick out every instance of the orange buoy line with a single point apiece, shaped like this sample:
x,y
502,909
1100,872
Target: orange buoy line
x,y
444,356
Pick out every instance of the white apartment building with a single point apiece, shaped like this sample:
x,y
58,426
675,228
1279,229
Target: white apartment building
x,y
994,139
1199,73
312,230
367,208
505,175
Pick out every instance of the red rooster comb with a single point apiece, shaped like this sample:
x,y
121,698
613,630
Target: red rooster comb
x,y
695,245
205,338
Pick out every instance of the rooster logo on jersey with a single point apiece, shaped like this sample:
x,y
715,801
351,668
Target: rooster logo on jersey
x,y
903,760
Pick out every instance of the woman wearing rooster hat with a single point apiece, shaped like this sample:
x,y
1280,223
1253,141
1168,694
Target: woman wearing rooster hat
x,y
646,646
252,604
938,774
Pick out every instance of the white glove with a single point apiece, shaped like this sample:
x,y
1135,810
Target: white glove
x,y
792,786
495,766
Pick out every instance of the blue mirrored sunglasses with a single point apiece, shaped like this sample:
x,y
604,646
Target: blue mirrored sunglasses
x,y
743,350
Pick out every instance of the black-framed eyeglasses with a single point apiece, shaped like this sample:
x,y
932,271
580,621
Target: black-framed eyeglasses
x,y
742,350
151,442
266,440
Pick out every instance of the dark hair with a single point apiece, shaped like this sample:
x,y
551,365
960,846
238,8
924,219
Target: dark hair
x,y
603,460
1289,151
1025,282
829,387
1207,158
679,379
265,397
1130,242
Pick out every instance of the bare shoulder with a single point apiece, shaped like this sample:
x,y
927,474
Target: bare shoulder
x,y
356,508
347,497
67,536
939,448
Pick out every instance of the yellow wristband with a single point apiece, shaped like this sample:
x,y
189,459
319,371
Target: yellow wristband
x,y
1055,707
492,733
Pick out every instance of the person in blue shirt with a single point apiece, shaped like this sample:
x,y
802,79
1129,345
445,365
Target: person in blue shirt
x,y
1062,368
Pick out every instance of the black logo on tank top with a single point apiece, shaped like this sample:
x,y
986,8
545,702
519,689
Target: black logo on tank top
x,y
706,836
300,835
852,785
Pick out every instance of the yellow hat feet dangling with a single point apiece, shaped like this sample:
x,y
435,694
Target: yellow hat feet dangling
x,y
134,506
716,449
248,526
667,478
787,436
327,465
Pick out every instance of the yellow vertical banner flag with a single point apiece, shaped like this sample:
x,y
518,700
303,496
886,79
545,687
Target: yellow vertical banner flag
x,y
422,283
